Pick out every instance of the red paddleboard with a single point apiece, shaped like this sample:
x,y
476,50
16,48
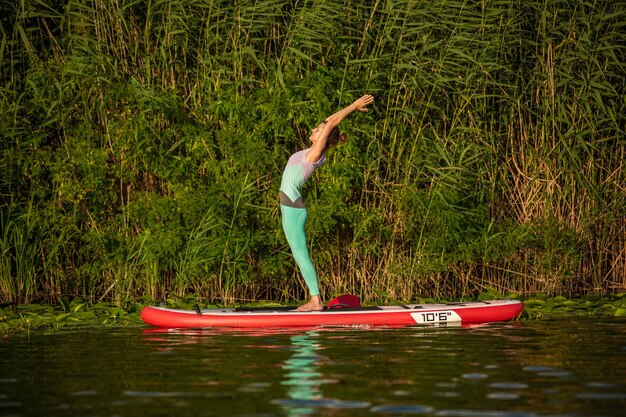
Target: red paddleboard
x,y
338,314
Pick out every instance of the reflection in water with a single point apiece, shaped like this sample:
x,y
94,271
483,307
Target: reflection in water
x,y
302,374
304,379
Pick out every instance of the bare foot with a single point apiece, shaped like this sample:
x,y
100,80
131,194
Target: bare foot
x,y
314,305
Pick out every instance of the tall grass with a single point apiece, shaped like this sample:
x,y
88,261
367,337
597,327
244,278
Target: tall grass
x,y
144,142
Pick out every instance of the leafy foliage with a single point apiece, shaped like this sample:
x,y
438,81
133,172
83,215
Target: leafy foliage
x,y
143,144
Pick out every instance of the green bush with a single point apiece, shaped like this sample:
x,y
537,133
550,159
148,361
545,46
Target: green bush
x,y
143,144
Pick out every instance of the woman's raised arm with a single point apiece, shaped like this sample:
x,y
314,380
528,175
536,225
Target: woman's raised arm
x,y
319,144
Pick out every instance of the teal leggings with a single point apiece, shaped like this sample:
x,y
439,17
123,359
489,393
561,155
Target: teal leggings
x,y
293,225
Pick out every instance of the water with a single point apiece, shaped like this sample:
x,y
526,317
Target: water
x,y
572,367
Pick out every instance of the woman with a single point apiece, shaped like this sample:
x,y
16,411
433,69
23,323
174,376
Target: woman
x,y
299,168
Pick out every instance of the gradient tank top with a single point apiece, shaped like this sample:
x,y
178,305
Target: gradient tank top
x,y
297,171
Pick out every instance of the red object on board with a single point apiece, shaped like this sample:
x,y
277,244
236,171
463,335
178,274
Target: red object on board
x,y
344,301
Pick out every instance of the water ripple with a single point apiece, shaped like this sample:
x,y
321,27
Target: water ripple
x,y
474,375
483,413
538,368
596,384
601,396
403,409
8,380
547,371
508,385
162,394
321,403
84,393
503,396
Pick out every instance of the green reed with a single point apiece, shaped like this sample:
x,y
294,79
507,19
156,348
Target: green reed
x,y
144,143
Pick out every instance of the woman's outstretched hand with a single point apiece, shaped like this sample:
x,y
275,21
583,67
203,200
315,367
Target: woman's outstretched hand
x,y
362,103
359,104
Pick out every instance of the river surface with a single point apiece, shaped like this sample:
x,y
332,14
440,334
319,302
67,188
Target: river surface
x,y
565,367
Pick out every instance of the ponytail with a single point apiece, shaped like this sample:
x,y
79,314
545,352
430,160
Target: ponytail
x,y
335,137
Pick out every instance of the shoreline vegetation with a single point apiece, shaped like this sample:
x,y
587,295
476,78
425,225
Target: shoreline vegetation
x,y
80,314
143,141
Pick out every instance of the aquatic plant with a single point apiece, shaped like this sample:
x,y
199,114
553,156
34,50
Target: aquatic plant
x,y
79,313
